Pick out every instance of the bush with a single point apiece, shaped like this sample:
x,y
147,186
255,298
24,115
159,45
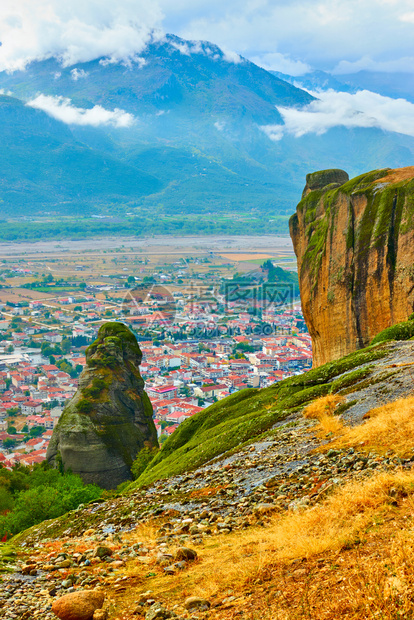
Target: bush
x,y
144,457
33,495
400,331
84,405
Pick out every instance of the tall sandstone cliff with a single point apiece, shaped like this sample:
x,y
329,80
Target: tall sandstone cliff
x,y
354,241
109,420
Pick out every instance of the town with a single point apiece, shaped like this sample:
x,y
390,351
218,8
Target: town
x,y
208,324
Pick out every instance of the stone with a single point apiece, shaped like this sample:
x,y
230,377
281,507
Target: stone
x,y
109,420
325,178
100,614
102,552
157,612
355,284
194,603
78,605
263,509
184,553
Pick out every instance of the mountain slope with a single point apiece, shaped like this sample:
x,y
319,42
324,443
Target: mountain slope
x,y
43,167
192,105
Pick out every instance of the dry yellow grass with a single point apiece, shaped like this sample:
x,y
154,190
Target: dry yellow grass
x,y
390,427
323,410
242,561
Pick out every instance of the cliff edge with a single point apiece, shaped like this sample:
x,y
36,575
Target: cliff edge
x,y
109,420
354,241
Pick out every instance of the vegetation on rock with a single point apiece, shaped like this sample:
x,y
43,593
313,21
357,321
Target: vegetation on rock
x,y
354,247
109,420
248,414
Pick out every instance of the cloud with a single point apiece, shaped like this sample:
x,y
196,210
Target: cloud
x,y
220,125
280,35
75,31
333,109
398,65
200,47
320,33
281,62
62,109
230,56
77,74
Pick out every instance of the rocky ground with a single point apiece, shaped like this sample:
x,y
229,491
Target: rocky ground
x,y
96,546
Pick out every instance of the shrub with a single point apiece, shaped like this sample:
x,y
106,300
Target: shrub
x,y
38,494
84,405
400,331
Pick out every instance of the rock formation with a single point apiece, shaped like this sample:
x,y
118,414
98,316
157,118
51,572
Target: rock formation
x,y
109,419
354,241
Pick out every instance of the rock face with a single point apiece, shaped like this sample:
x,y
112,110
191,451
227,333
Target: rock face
x,y
109,419
354,240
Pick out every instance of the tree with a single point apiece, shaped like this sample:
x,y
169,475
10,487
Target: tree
x,y
9,443
65,346
12,430
36,431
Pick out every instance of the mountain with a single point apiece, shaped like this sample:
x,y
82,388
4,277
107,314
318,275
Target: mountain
x,y
354,243
316,80
395,85
185,128
44,168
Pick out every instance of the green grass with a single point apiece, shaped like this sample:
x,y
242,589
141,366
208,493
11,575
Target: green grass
x,y
400,331
248,414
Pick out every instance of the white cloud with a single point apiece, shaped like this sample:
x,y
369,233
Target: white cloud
x,y
284,36
75,31
198,47
408,17
62,109
230,56
281,62
333,109
77,74
398,65
320,33
220,125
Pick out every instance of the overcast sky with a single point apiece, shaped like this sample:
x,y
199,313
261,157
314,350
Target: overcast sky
x,y
289,36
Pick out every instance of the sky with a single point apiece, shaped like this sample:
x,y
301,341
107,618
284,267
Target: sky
x,y
292,36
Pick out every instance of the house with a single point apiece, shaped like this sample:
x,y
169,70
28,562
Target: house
x,y
164,392
53,337
209,391
31,407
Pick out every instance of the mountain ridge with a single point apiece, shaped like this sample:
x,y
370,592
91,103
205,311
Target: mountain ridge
x,y
211,108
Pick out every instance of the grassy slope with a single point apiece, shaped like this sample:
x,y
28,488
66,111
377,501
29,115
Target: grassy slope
x,y
246,415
